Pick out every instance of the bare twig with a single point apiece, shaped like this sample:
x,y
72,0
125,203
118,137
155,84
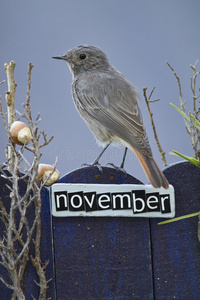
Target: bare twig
x,y
6,283
190,126
180,96
3,114
36,260
46,142
147,100
27,104
3,81
10,101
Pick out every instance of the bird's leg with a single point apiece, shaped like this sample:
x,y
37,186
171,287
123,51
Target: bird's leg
x,y
121,167
96,162
124,157
102,152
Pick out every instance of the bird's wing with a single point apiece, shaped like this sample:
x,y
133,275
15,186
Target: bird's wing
x,y
111,100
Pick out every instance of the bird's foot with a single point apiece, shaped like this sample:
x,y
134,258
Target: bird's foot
x,y
94,164
118,168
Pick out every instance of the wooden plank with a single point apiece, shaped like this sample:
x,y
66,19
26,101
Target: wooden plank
x,y
102,258
175,246
28,285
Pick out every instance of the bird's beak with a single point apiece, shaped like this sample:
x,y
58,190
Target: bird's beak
x,y
61,57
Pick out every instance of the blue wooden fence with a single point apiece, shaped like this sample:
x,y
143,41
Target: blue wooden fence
x,y
120,258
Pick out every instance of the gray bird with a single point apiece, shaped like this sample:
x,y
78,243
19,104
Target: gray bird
x,y
107,102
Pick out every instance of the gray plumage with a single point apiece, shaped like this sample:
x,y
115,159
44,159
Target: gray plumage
x,y
107,102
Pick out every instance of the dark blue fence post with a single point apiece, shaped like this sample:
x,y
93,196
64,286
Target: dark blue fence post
x,y
102,258
175,246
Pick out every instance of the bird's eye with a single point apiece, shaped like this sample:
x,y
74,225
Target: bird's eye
x,y
82,56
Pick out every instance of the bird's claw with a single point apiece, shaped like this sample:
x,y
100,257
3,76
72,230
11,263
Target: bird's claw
x,y
117,168
95,164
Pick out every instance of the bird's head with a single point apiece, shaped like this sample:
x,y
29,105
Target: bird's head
x,y
85,58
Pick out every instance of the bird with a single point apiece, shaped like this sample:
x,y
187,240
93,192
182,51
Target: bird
x,y
107,102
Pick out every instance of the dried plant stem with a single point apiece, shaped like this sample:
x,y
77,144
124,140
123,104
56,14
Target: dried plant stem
x,y
27,104
147,100
190,128
10,102
193,87
180,94
195,133
187,126
36,260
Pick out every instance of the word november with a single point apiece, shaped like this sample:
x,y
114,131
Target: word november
x,y
112,200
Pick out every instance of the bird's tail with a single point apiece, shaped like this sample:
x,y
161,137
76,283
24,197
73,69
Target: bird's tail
x,y
153,172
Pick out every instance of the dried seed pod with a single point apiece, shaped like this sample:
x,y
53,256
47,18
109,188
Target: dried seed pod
x,y
44,170
20,133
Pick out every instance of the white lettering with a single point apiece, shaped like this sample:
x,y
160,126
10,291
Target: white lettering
x,y
163,202
135,200
103,199
58,200
122,197
79,199
90,202
150,200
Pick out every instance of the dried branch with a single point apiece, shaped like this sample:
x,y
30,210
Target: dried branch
x,y
180,97
46,142
147,100
36,260
3,114
10,101
27,104
3,81
190,122
193,85
10,95
6,284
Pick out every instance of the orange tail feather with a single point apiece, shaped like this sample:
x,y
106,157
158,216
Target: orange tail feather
x,y
152,171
